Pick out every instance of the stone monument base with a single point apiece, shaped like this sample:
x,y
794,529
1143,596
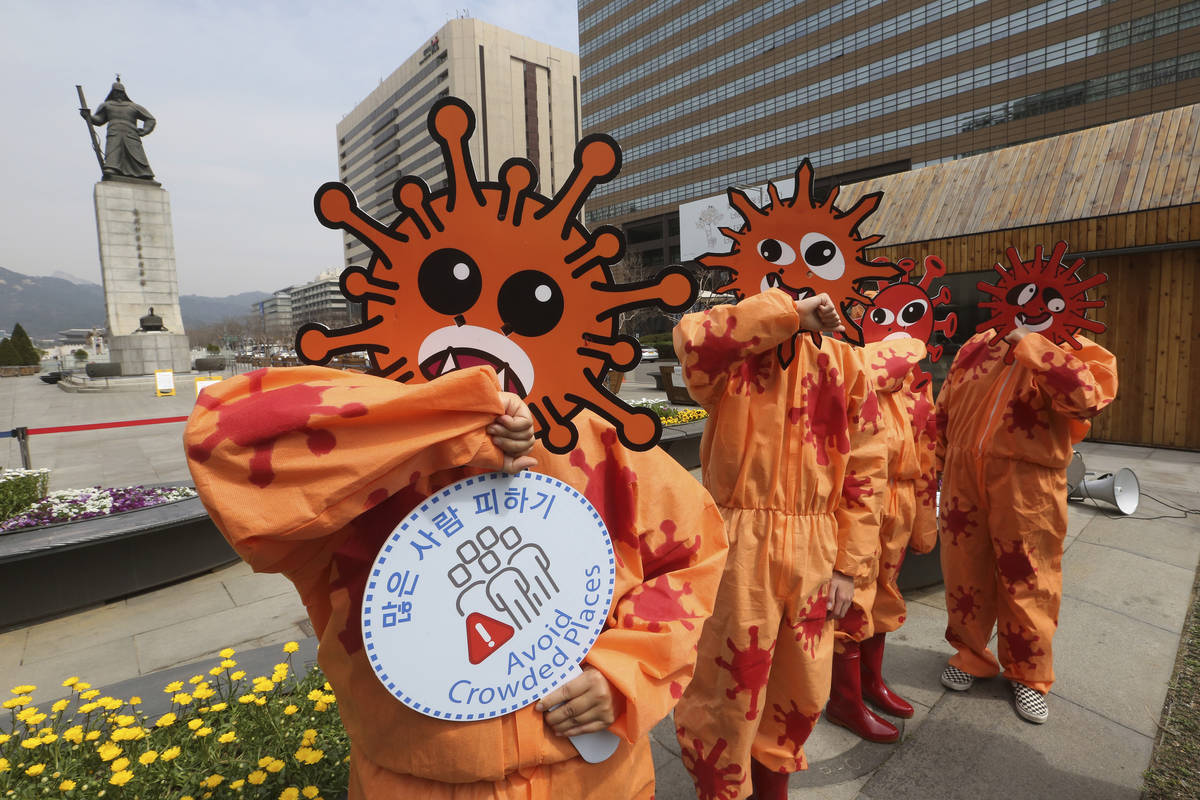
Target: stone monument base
x,y
142,353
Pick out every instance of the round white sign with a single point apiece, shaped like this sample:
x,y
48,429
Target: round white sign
x,y
488,595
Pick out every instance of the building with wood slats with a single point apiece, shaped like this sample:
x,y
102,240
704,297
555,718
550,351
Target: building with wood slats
x,y
1126,197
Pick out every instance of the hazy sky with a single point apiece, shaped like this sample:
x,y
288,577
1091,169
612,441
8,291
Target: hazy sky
x,y
247,96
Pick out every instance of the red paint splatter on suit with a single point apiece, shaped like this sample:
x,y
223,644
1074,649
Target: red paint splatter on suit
x,y
655,602
712,782
1014,565
811,622
716,353
610,489
750,670
1020,649
957,521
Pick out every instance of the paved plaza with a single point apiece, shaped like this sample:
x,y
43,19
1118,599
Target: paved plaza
x,y
1127,585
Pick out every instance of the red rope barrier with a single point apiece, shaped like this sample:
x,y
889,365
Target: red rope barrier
x,y
98,425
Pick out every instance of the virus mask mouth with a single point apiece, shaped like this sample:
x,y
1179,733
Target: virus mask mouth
x,y
774,280
454,348
1036,322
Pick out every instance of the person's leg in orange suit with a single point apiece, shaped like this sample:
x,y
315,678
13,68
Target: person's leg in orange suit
x,y
846,707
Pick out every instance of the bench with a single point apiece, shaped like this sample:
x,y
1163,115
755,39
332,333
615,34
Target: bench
x,y
676,395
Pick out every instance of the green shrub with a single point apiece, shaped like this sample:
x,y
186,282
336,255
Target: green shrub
x,y
21,488
27,354
80,354
213,348
8,354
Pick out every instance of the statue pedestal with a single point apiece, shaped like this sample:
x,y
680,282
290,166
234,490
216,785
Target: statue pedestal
x,y
137,255
142,353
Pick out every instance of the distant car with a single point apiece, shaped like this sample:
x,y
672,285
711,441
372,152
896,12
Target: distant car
x,y
649,354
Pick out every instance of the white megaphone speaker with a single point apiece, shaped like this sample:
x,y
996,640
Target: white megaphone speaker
x,y
1118,488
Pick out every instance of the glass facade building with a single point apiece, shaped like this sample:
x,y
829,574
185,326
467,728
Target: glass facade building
x,y
707,94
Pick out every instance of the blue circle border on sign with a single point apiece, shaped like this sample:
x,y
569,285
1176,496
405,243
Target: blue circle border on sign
x,y
394,538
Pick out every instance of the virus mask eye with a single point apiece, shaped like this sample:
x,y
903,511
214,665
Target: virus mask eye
x,y
802,246
822,256
912,313
1059,316
449,285
881,316
777,252
530,303
449,281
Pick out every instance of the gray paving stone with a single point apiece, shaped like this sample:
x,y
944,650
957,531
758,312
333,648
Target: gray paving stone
x,y
1175,543
201,636
100,664
1096,651
246,589
973,745
1139,587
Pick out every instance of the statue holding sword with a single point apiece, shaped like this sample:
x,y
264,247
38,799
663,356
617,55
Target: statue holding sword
x,y
123,156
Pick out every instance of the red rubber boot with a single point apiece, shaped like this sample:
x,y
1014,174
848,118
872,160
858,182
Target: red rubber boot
x,y
873,687
845,705
767,784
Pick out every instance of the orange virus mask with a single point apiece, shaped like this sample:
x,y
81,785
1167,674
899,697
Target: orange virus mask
x,y
801,246
1042,295
494,273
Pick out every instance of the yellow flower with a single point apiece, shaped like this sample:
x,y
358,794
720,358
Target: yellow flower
x,y
17,702
256,778
74,734
166,720
290,710
227,737
108,751
227,652
290,793
67,786
92,736
203,692
173,686
120,764
321,705
310,792
193,724
221,706
88,708
121,778
247,698
4,767
4,737
215,671
183,698
309,755
110,703
200,734
24,689
212,781
69,682
81,685
291,647
260,701
135,701
274,765
237,785
309,736
89,694
229,663
49,737
262,684
60,705
148,757
35,770
237,676
195,679
170,753
315,694
125,720
31,744
35,719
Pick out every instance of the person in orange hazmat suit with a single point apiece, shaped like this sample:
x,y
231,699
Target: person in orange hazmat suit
x,y
1008,414
789,457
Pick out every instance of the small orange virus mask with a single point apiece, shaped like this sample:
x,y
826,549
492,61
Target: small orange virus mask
x,y
800,246
1042,295
492,272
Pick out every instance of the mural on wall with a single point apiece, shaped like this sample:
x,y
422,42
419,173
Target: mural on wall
x,y
802,246
903,309
1043,295
496,273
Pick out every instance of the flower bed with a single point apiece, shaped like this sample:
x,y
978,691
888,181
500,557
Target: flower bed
x,y
225,736
20,488
670,414
72,505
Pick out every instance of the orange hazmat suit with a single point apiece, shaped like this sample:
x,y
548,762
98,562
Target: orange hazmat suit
x,y
307,470
1005,438
797,474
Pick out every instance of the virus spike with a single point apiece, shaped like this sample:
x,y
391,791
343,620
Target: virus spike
x,y
861,210
606,247
773,192
597,160
518,178
934,268
411,195
620,352
452,122
672,290
336,207
637,428
316,344
834,191
357,284
804,182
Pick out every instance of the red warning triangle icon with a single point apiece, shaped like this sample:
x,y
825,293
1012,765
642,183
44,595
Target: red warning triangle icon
x,y
485,636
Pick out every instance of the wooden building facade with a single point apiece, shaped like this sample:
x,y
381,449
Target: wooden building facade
x,y
1124,196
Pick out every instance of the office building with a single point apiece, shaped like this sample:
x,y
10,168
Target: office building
x,y
273,316
525,95
708,94
321,300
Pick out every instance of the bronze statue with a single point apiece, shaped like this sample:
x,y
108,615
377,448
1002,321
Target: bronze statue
x,y
123,153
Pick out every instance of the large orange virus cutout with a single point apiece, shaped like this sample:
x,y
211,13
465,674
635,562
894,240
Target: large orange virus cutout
x,y
1042,295
494,273
801,246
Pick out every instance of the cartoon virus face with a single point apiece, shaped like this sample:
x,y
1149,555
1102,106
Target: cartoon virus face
x,y
1041,295
904,309
494,273
800,246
